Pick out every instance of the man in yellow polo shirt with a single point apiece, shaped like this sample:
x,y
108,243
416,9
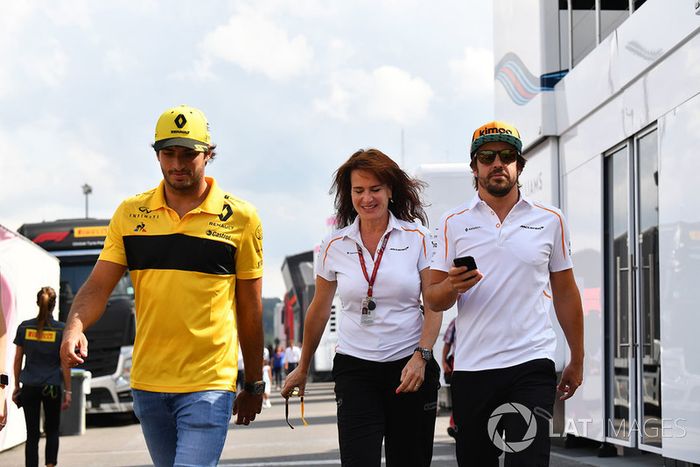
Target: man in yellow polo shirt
x,y
194,253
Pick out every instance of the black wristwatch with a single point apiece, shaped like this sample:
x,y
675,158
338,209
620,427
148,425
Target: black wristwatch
x,y
256,388
4,379
426,354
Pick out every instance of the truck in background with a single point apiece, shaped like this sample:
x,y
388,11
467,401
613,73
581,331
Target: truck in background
x,y
77,244
298,275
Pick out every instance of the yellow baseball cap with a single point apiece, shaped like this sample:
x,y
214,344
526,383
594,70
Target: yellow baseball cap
x,y
182,126
496,131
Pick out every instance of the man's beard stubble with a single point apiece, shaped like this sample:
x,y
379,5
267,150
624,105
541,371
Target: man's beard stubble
x,y
496,189
184,187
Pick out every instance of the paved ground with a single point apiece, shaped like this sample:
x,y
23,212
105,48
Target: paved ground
x,y
111,441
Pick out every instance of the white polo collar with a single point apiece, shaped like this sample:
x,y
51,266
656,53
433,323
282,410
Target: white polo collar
x,y
353,232
477,201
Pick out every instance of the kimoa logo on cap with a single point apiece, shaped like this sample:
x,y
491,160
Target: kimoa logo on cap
x,y
490,131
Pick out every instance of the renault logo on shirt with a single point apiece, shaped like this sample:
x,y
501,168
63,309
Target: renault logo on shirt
x,y
226,212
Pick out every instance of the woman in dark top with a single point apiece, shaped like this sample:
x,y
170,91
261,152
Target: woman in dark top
x,y
39,339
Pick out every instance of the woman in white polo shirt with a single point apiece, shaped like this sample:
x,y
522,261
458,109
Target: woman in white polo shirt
x,y
386,379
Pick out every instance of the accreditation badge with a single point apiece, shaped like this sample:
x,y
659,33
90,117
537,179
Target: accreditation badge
x,y
368,311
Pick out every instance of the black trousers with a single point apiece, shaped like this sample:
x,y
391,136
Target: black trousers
x,y
277,376
477,394
32,399
369,411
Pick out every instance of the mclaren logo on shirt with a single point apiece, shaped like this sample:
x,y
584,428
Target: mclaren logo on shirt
x,y
472,228
532,227
33,335
399,249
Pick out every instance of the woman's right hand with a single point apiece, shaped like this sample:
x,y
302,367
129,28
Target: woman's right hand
x,y
295,379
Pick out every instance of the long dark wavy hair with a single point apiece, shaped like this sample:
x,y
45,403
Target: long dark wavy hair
x,y
46,299
405,201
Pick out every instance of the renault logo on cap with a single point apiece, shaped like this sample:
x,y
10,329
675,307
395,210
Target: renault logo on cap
x,y
180,121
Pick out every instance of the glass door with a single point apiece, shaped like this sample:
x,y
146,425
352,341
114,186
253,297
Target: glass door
x,y
647,251
618,279
633,337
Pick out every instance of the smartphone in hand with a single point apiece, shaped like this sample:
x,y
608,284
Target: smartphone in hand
x,y
467,261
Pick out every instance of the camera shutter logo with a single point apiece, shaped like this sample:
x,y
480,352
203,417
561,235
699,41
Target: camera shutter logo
x,y
511,446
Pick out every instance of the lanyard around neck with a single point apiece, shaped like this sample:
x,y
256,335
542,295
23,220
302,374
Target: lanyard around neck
x,y
380,253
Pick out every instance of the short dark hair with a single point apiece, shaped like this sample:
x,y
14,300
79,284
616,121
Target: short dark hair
x,y
212,152
405,202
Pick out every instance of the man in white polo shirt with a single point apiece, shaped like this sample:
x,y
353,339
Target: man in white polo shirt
x,y
505,341
291,357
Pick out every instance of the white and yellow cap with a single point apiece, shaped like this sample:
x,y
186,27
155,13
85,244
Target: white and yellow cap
x,y
182,126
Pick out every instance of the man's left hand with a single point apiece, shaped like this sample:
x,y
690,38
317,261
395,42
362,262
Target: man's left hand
x,y
571,379
246,406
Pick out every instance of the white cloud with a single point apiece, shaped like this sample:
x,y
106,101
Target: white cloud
x,y
473,73
340,53
258,45
307,9
12,22
387,93
50,65
119,60
45,183
69,13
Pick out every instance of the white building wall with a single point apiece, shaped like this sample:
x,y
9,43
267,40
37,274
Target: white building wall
x,y
679,267
24,269
647,71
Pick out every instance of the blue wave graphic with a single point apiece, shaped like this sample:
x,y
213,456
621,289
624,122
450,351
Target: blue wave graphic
x,y
519,83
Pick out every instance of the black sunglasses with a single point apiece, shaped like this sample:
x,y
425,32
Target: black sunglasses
x,y
507,156
295,392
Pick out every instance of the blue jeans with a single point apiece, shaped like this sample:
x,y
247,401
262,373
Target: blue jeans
x,y
184,429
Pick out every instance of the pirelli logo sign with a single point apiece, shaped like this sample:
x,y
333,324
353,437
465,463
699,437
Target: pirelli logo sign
x,y
33,335
96,231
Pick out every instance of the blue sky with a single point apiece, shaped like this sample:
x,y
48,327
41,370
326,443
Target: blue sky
x,y
290,88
